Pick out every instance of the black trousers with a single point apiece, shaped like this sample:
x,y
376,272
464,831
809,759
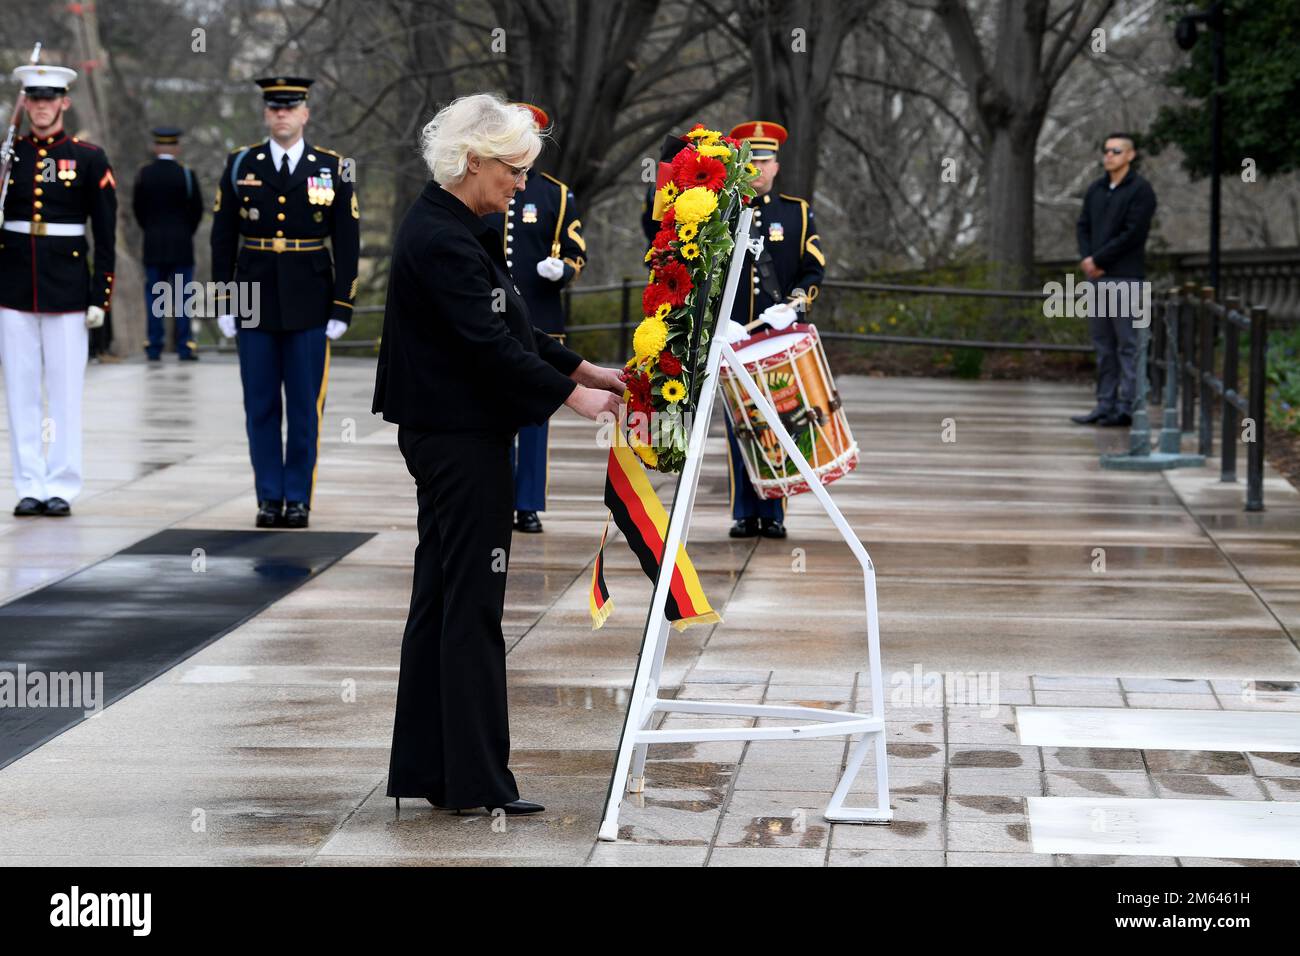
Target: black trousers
x,y
451,733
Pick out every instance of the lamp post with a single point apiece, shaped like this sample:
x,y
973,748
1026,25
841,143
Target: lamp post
x,y
1186,33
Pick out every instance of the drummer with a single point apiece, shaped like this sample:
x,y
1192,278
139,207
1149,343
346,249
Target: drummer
x,y
775,289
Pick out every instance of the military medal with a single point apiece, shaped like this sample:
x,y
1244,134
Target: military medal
x,y
320,189
775,232
67,169
530,212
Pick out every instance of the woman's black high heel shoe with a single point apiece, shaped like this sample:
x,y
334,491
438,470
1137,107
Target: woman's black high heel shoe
x,y
431,803
515,808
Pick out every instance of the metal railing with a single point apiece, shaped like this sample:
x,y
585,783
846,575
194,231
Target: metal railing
x,y
1198,318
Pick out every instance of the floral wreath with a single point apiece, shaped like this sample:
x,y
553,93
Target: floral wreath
x,y
693,246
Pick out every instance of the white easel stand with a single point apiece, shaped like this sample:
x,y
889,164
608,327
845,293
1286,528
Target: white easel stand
x,y
646,703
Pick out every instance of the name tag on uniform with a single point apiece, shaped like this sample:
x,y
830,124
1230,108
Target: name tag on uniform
x,y
248,181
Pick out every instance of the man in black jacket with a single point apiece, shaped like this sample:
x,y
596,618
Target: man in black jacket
x,y
1112,232
168,205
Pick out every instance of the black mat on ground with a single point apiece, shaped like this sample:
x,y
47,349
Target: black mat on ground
x,y
120,623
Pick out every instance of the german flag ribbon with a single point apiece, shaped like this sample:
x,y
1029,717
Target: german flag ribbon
x,y
637,512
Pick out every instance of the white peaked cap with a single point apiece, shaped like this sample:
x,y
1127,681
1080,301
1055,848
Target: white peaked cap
x,y
44,74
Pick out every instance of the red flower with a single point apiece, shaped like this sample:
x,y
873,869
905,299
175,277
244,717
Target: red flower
x,y
663,237
653,295
669,363
675,280
691,169
669,220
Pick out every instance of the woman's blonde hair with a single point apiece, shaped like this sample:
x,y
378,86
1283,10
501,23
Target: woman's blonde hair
x,y
482,123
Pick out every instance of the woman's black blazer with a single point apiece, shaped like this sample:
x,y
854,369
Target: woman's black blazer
x,y
459,352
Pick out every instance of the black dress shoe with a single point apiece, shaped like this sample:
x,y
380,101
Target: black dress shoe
x,y
528,522
29,508
1093,416
1117,420
57,508
189,357
772,528
295,514
744,528
269,513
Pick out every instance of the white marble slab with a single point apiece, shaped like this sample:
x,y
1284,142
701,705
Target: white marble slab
x,y
1235,829
1160,729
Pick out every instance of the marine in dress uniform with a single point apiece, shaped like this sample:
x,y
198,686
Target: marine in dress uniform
x,y
49,292
278,202
542,237
168,205
797,265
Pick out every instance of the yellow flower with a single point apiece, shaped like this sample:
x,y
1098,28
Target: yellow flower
x,y
716,150
650,337
695,204
751,169
708,135
663,311
669,193
648,254
673,391
688,232
690,251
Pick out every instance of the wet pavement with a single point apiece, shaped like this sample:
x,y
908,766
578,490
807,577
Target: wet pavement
x,y
1008,564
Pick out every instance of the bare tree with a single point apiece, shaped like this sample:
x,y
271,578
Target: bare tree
x,y
1009,78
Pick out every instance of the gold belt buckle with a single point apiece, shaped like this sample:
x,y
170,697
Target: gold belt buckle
x,y
38,229
279,244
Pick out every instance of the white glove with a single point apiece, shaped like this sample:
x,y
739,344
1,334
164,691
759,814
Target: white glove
x,y
779,316
734,332
334,328
227,325
551,268
94,317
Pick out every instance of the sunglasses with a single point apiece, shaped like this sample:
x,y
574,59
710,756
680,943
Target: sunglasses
x,y
1114,150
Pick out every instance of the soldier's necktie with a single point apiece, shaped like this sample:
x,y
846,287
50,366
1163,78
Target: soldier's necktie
x,y
284,171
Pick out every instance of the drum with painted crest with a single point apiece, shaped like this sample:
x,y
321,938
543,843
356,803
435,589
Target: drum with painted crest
x,y
789,366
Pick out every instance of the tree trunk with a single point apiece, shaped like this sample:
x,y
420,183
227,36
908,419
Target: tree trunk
x,y
128,279
793,73
1009,178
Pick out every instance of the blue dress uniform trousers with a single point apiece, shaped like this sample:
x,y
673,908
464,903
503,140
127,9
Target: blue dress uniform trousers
x,y
528,460
171,302
745,502
284,374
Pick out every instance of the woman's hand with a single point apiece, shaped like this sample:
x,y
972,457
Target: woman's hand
x,y
594,402
597,376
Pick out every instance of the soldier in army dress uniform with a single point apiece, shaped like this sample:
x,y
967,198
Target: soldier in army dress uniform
x,y
542,236
168,205
278,202
789,275
50,293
